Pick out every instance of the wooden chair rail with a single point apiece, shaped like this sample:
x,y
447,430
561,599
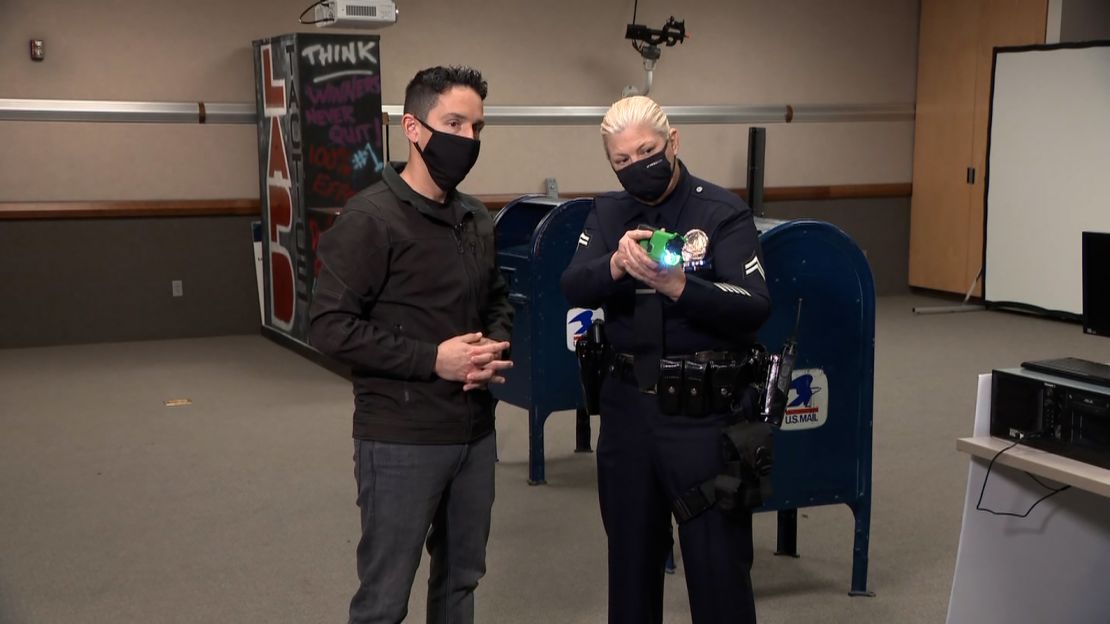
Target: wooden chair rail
x,y
251,207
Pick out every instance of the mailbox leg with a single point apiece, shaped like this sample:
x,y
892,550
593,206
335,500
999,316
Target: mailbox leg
x,y
788,533
536,420
582,432
862,511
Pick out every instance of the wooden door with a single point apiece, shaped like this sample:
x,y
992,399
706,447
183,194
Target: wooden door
x,y
943,131
955,53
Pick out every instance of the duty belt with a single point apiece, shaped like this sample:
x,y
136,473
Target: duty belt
x,y
695,385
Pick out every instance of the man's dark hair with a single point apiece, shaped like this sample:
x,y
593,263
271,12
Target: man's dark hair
x,y
425,88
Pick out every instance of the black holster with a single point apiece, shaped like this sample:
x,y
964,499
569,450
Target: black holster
x,y
748,444
747,447
592,351
749,450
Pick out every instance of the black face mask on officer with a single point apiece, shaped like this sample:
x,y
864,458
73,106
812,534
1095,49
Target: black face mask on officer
x,y
449,157
648,178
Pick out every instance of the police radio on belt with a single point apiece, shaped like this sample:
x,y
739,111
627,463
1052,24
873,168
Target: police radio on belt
x,y
780,370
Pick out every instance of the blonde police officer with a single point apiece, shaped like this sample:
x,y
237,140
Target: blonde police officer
x,y
698,315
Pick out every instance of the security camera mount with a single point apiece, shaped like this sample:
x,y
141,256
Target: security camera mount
x,y
671,33
646,41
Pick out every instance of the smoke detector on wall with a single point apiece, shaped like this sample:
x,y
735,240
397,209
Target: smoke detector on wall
x,y
361,14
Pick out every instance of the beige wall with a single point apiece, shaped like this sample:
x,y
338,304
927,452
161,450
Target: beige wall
x,y
1085,20
542,53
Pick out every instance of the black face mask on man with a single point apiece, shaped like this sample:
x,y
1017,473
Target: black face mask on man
x,y
449,157
647,179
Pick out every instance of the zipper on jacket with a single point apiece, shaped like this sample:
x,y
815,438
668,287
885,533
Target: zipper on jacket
x,y
458,232
472,280
470,288
404,385
469,416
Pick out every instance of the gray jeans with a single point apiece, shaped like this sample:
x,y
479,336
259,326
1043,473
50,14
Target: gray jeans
x,y
410,495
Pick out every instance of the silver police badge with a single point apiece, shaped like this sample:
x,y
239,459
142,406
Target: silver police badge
x,y
693,252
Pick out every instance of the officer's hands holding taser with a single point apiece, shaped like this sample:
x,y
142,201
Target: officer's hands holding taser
x,y
631,259
472,359
627,247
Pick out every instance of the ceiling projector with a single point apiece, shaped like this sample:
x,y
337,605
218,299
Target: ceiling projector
x,y
363,14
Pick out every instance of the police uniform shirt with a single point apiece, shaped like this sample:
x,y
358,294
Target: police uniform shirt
x,y
725,299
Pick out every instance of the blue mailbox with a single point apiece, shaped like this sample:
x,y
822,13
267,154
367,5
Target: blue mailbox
x,y
536,239
823,450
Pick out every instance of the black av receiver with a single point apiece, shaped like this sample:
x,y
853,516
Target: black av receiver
x,y
1062,416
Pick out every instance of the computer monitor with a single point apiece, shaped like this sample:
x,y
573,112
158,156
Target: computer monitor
x,y
1096,283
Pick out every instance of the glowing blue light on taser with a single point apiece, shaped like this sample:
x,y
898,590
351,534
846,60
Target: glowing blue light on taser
x,y
670,258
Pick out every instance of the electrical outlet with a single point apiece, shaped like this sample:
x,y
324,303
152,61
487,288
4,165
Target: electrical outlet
x,y
38,49
176,287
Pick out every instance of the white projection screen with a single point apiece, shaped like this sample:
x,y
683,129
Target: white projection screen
x,y
1048,172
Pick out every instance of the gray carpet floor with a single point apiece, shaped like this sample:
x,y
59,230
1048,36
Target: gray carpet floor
x,y
240,507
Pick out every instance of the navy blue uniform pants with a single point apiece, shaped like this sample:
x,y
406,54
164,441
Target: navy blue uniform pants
x,y
645,460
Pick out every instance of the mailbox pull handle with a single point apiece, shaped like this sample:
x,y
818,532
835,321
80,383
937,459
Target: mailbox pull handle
x,y
519,298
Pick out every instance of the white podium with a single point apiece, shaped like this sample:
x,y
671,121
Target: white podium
x,y
1052,567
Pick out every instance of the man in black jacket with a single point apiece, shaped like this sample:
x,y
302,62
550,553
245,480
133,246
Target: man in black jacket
x,y
410,296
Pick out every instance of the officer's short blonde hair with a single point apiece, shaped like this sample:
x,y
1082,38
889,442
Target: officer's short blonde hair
x,y
633,111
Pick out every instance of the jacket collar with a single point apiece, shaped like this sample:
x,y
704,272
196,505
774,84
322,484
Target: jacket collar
x,y
445,214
